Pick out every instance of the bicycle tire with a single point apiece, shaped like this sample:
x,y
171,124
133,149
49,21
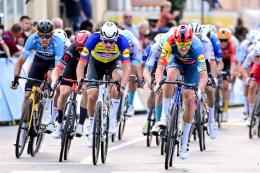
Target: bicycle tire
x,y
96,133
217,107
37,138
162,142
64,132
253,120
20,148
71,127
199,126
151,122
122,123
104,141
171,137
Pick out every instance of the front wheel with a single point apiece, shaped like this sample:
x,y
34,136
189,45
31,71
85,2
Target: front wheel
x,y
97,133
23,129
104,142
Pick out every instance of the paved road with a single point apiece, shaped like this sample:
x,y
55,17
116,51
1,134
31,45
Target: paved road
x,y
232,151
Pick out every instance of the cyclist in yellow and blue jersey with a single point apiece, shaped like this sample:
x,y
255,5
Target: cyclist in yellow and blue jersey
x,y
102,52
182,53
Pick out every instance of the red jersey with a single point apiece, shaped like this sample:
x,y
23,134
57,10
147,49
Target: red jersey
x,y
229,52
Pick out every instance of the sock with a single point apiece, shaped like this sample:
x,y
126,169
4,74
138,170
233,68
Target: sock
x,y
165,107
114,108
54,114
186,132
147,113
82,115
90,123
131,96
60,116
225,108
211,114
251,107
158,112
246,105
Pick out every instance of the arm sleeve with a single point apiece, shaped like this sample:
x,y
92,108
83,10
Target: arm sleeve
x,y
165,54
66,57
124,49
233,52
248,61
89,46
59,50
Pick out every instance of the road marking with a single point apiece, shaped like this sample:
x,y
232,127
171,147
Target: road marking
x,y
133,172
35,172
38,163
88,159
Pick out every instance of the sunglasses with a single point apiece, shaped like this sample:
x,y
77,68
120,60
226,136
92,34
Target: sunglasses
x,y
47,36
109,41
183,45
257,56
128,16
223,40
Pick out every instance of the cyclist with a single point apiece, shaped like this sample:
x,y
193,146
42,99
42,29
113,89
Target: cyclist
x,y
212,73
149,71
48,50
136,68
253,79
242,54
185,54
228,53
68,65
101,52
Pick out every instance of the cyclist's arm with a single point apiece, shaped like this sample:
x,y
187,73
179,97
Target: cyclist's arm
x,y
220,65
246,65
202,69
6,50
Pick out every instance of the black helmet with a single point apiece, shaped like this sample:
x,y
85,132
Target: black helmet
x,y
45,26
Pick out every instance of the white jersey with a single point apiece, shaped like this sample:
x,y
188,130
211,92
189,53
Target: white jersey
x,y
207,48
250,59
243,51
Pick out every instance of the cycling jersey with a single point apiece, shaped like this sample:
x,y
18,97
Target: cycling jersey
x,y
249,60
207,48
243,50
68,64
229,52
147,52
94,48
189,65
54,51
216,46
195,53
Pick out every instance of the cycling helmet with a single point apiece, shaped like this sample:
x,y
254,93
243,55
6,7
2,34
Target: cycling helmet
x,y
196,29
61,34
257,49
81,37
252,34
224,34
109,31
183,34
45,26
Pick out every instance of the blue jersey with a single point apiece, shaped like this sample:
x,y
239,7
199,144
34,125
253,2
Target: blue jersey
x,y
55,49
147,52
216,46
94,48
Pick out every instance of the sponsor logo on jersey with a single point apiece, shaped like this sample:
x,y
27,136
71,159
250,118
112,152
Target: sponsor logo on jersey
x,y
85,52
201,58
126,53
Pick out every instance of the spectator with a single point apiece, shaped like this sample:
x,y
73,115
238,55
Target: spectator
x,y
26,24
128,23
4,50
240,30
58,23
10,38
73,12
87,8
87,25
144,33
164,22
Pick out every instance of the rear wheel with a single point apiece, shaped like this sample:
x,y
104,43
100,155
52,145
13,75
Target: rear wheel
x,y
256,111
23,129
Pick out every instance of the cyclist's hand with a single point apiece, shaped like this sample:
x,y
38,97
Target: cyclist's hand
x,y
15,83
156,88
140,82
248,80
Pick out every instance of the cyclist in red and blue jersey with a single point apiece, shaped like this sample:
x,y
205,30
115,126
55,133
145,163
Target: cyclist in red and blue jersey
x,y
102,51
185,54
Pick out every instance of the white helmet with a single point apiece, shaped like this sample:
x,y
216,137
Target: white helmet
x,y
251,35
257,49
256,39
63,36
196,29
109,31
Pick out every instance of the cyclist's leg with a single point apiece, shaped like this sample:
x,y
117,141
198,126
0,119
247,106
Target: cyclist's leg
x,y
131,91
191,75
173,71
225,91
